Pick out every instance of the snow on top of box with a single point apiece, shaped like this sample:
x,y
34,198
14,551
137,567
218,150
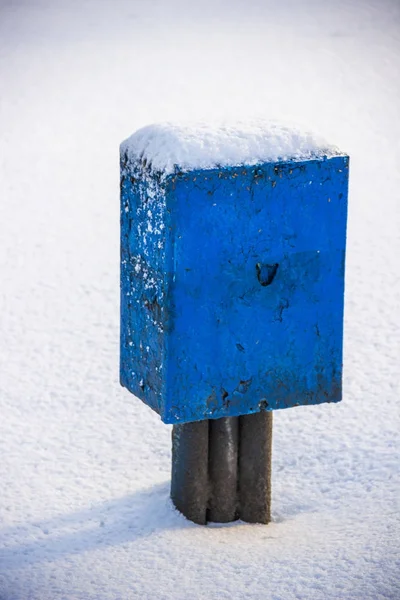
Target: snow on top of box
x,y
167,146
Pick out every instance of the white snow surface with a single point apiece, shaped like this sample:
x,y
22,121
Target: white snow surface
x,y
189,146
85,466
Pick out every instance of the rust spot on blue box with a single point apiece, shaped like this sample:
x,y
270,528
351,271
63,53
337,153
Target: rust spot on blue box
x,y
232,286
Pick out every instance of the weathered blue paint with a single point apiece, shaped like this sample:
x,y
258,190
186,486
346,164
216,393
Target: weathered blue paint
x,y
232,287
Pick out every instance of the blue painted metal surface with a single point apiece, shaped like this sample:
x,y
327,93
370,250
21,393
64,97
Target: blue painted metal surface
x,y
232,287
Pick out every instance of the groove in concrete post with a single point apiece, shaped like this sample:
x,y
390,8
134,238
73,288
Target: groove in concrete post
x,y
189,481
223,469
255,455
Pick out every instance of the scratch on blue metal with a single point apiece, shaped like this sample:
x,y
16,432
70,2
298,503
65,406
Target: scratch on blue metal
x,y
232,287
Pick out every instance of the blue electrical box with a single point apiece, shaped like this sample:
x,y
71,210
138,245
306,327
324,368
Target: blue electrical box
x,y
232,286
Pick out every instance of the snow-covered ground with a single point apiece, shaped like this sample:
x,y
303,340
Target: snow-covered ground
x,y
84,466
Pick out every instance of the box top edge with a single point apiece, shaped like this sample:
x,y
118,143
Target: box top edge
x,y
168,148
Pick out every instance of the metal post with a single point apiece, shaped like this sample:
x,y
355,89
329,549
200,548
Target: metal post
x,y
255,467
223,469
189,484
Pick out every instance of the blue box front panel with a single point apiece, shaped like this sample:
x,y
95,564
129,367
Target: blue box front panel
x,y
252,291
257,289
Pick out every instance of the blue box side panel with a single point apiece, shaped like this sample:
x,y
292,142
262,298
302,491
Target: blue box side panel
x,y
257,288
143,284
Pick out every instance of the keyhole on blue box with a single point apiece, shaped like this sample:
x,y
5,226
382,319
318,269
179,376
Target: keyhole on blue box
x,y
266,273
